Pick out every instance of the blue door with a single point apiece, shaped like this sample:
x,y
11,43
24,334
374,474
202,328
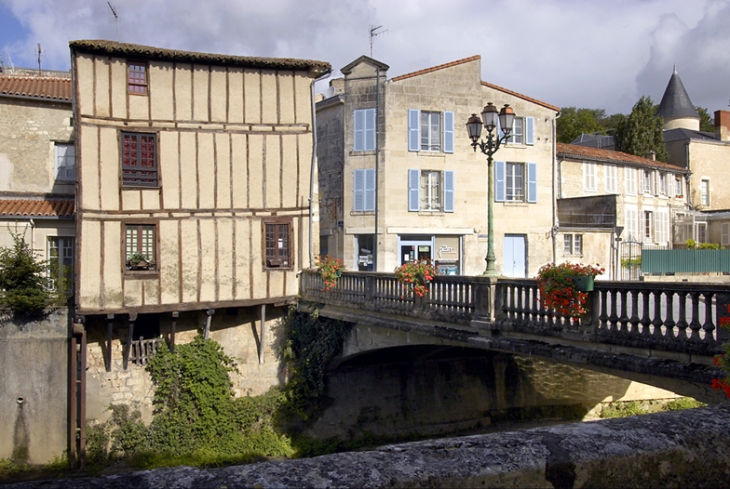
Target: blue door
x,y
515,259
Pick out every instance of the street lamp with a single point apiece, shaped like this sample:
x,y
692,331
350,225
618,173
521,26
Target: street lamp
x,y
490,116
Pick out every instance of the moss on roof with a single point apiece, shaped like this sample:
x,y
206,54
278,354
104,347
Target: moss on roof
x,y
150,52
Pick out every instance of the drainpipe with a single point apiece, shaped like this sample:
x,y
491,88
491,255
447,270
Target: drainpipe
x,y
554,228
312,171
377,167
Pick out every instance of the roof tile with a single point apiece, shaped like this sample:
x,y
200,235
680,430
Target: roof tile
x,y
607,155
42,87
37,208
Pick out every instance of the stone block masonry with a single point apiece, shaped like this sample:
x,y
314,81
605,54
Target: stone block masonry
x,y
673,449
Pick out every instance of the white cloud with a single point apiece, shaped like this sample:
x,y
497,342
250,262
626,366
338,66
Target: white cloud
x,y
596,53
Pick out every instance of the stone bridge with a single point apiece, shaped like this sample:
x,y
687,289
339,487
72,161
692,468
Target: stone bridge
x,y
661,334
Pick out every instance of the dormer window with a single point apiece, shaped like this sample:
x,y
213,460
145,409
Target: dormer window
x,y
137,78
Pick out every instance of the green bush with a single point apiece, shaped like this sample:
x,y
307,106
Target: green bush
x,y
23,279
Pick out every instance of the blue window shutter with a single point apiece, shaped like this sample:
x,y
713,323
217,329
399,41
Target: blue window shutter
x,y
413,186
359,130
414,132
369,189
529,130
358,201
448,132
448,191
499,190
532,182
370,129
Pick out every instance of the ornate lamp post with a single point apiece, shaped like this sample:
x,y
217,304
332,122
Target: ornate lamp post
x,y
490,116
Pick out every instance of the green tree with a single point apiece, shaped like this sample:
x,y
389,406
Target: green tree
x,y
574,121
641,131
707,123
23,279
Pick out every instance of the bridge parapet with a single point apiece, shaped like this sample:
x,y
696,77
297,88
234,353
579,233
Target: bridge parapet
x,y
671,317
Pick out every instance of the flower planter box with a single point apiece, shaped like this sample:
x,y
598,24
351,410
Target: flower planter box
x,y
584,283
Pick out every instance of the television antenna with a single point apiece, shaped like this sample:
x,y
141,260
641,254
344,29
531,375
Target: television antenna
x,y
373,34
116,18
40,51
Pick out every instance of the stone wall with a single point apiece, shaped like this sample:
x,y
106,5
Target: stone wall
x,y
34,387
673,449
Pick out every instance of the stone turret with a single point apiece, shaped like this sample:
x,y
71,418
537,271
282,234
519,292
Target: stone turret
x,y
676,108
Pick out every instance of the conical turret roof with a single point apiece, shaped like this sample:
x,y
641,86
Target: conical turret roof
x,y
675,103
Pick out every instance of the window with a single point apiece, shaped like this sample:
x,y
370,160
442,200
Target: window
x,y
649,225
425,131
725,234
630,181
662,184
661,226
610,178
683,224
678,186
631,222
364,130
523,131
364,190
277,244
701,232
648,182
61,263
510,184
65,166
137,78
589,176
430,191
573,244
140,247
705,192
139,160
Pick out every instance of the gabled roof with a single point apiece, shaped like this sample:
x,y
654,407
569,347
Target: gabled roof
x,y
38,208
436,68
523,97
153,53
574,151
675,103
36,87
347,69
683,134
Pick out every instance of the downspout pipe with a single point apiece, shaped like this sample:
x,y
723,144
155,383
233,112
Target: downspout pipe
x,y
377,167
312,171
554,228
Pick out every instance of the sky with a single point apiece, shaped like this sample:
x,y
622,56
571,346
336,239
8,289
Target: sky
x,y
598,54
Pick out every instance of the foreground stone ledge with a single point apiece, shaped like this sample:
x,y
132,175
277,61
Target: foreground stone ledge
x,y
673,449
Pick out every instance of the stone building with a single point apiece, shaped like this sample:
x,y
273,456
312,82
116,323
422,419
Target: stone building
x,y
195,182
399,179
610,204
37,169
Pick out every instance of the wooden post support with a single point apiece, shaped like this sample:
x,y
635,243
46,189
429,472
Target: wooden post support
x,y
109,338
173,327
210,313
82,403
263,334
130,337
73,369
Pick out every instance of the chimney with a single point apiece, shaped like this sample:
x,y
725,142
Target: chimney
x,y
651,155
722,125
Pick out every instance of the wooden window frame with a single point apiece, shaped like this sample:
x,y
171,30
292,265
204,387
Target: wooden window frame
x,y
151,266
132,175
137,78
274,260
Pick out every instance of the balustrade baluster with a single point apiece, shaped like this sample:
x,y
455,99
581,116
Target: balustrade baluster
x,y
669,322
603,316
681,320
634,319
622,325
645,313
695,325
657,321
520,316
709,325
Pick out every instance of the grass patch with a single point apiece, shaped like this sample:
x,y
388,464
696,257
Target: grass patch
x,y
634,408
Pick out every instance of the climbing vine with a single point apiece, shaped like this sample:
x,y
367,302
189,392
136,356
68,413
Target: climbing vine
x,y
311,342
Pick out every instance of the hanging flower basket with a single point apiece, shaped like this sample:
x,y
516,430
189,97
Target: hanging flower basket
x,y
564,287
330,269
415,276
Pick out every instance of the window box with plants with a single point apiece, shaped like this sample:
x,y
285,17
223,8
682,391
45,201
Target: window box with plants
x,y
564,288
139,261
